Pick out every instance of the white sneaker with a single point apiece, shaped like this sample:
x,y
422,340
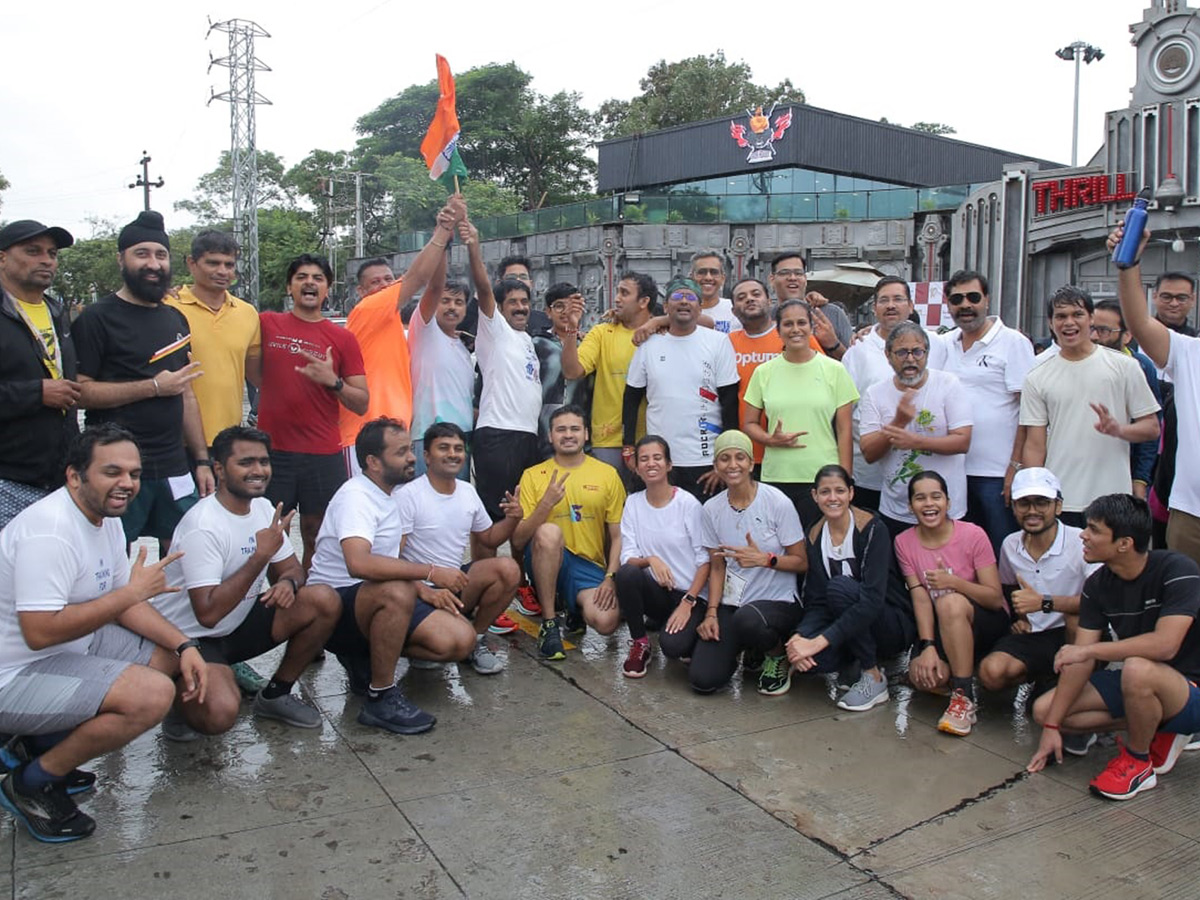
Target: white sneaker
x,y
483,660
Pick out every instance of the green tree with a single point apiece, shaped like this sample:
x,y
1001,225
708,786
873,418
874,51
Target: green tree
x,y
212,200
88,268
700,87
283,234
934,128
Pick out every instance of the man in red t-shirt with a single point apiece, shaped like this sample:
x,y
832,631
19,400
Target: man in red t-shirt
x,y
311,368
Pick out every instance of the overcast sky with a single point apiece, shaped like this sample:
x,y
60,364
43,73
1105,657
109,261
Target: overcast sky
x,y
87,89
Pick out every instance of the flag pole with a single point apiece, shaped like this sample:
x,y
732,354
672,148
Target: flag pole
x,y
456,190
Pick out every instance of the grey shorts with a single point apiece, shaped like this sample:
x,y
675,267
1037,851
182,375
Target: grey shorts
x,y
57,693
15,496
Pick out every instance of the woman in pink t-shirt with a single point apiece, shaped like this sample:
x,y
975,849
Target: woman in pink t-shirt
x,y
950,570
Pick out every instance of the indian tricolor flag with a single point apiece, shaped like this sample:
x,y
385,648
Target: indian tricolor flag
x,y
440,146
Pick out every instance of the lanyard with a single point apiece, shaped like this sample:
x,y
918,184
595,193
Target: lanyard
x,y
51,358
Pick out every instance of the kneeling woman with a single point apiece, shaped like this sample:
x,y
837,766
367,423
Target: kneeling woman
x,y
957,600
756,550
664,566
856,608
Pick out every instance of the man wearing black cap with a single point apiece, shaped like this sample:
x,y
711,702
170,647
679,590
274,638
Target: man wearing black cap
x,y
135,369
38,393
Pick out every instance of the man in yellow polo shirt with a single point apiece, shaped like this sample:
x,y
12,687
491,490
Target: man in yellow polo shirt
x,y
225,332
571,534
607,350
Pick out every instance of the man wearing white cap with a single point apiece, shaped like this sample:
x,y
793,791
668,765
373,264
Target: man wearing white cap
x,y
1042,570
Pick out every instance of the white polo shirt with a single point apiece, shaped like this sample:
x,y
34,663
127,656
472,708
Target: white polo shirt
x,y
992,373
1060,572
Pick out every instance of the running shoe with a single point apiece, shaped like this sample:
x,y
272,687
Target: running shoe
x,y
1124,777
575,626
776,676
527,603
959,715
1078,744
550,644
175,728
394,712
48,813
16,751
504,624
248,680
1165,750
483,660
358,673
639,656
752,660
287,708
864,694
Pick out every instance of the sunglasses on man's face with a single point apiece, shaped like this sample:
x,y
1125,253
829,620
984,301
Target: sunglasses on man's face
x,y
686,296
958,299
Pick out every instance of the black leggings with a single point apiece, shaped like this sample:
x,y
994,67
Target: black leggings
x,y
890,632
758,625
639,595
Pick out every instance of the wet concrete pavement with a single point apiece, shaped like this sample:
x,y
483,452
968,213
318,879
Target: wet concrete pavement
x,y
565,780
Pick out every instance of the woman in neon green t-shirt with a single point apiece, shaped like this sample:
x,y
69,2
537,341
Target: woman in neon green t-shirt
x,y
808,399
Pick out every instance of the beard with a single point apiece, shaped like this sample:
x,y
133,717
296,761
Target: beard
x,y
146,289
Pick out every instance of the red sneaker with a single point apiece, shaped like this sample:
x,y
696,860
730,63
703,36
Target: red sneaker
x,y
503,625
1124,777
635,662
1165,750
527,602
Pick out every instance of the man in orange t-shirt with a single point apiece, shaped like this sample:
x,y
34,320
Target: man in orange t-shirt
x,y
375,321
758,341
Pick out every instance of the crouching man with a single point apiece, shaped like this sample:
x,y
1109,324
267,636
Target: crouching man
x,y
86,665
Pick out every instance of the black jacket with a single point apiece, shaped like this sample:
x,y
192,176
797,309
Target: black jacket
x,y
880,577
33,438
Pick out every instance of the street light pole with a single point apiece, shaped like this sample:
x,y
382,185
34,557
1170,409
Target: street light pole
x,y
1074,52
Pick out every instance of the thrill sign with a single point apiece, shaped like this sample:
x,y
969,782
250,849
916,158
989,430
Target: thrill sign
x,y
1062,194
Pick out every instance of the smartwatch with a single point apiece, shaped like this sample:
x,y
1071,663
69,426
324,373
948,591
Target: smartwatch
x,y
185,645
1047,603
337,386
923,645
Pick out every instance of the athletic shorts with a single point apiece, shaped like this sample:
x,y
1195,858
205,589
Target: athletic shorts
x,y
1035,650
60,692
347,638
575,574
305,481
155,512
988,627
1107,683
250,639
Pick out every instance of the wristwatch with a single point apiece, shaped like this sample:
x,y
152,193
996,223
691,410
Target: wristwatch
x,y
189,643
1047,603
337,386
922,645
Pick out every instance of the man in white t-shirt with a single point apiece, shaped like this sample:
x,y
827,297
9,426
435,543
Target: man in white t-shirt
x,y
991,360
81,652
231,541
506,432
1178,355
919,420
688,376
708,271
1084,406
439,515
867,363
1042,571
357,555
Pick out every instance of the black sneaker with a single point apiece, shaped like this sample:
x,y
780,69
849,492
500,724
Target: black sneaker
x,y
358,673
395,712
16,751
49,814
752,660
573,624
550,644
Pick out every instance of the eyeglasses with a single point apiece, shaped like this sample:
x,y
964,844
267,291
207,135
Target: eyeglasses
x,y
1105,331
910,353
1042,503
957,299
686,296
700,273
1173,298
789,273
558,306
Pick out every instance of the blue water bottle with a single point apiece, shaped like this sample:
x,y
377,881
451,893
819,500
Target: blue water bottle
x,y
1125,255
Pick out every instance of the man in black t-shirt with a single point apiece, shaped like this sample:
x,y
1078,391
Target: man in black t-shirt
x,y
135,370
1147,602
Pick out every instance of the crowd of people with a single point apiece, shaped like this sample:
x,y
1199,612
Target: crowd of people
x,y
744,475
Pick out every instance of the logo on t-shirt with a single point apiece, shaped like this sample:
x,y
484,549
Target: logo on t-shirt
x,y
181,341
576,512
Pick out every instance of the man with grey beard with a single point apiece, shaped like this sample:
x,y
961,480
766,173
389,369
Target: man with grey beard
x,y
918,420
135,370
991,360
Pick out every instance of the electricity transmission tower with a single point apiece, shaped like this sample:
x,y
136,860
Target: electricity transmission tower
x,y
243,153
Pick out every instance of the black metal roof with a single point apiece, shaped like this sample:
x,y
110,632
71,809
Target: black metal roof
x,y
817,139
